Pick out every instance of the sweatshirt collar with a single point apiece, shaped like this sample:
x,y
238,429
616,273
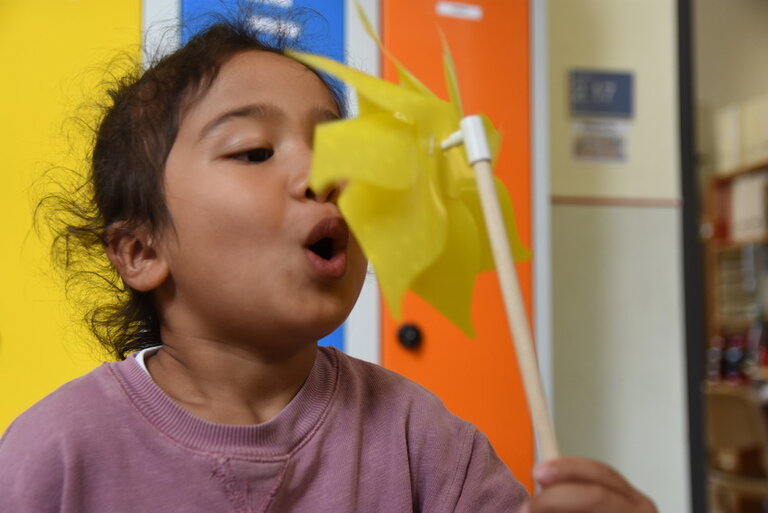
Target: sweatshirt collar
x,y
274,439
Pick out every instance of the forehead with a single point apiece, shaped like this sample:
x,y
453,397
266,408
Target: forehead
x,y
259,77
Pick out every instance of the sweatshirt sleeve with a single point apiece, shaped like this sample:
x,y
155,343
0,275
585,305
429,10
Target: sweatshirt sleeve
x,y
488,484
453,466
30,472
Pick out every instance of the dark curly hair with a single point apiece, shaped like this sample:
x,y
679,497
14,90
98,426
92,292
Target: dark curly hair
x,y
123,186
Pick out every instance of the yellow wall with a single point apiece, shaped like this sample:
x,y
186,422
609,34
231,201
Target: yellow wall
x,y
639,36
52,52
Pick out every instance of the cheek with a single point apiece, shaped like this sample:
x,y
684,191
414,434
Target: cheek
x,y
220,214
358,263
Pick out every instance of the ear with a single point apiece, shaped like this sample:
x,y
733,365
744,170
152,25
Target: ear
x,y
135,256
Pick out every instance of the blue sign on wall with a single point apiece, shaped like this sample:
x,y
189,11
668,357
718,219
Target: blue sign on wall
x,y
317,26
601,94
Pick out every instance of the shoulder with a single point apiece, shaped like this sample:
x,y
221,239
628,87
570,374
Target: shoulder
x,y
382,383
453,466
380,387
48,438
384,397
73,410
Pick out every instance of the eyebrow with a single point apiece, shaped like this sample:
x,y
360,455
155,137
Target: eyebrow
x,y
261,111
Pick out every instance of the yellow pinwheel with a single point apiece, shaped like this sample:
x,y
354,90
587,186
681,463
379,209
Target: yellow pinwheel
x,y
429,216
413,206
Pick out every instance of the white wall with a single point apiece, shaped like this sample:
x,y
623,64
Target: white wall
x,y
730,47
618,345
731,43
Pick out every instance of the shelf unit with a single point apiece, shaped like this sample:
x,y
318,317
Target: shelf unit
x,y
736,272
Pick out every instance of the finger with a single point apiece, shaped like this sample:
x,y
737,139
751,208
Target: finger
x,y
582,470
581,498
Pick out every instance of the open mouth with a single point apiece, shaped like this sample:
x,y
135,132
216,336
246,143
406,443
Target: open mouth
x,y
326,247
323,248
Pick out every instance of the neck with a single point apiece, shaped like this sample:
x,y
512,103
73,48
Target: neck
x,y
229,384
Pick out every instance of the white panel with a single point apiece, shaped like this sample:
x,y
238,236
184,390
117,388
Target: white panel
x,y
160,21
542,292
362,332
619,345
361,51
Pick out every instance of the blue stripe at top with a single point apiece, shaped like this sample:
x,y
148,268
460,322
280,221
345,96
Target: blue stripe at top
x,y
319,25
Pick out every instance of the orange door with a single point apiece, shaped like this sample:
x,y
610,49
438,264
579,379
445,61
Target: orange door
x,y
476,378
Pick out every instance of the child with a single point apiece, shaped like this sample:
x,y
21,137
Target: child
x,y
233,269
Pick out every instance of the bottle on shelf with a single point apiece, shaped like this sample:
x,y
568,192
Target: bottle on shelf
x,y
734,359
715,359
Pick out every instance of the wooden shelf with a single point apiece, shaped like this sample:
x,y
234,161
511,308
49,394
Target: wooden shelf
x,y
722,178
725,245
759,373
718,211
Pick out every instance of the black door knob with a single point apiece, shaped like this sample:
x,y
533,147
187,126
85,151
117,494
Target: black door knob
x,y
409,336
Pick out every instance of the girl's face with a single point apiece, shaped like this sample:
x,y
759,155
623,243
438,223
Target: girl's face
x,y
253,256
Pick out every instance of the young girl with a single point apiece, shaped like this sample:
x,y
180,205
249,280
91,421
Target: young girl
x,y
233,268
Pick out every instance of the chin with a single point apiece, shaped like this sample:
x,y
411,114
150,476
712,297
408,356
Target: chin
x,y
323,325
321,329
324,314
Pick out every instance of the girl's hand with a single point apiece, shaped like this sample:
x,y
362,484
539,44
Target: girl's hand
x,y
571,485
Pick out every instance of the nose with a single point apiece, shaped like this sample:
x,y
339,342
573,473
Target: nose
x,y
330,195
299,185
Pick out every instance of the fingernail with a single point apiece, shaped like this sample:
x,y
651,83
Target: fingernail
x,y
525,508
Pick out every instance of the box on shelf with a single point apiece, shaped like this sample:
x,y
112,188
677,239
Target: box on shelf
x,y
727,134
754,130
747,216
741,134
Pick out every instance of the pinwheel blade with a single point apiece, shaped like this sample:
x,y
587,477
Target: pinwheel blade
x,y
413,207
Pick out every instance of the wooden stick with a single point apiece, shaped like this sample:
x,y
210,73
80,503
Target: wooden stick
x,y
516,317
472,135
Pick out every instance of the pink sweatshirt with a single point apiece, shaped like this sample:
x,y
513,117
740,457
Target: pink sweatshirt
x,y
356,438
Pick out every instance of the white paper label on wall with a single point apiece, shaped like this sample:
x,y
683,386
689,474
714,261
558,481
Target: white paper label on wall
x,y
275,26
459,10
603,140
279,3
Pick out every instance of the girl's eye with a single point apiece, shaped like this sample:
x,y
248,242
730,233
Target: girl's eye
x,y
255,155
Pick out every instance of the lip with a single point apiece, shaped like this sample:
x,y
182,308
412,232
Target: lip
x,y
335,229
